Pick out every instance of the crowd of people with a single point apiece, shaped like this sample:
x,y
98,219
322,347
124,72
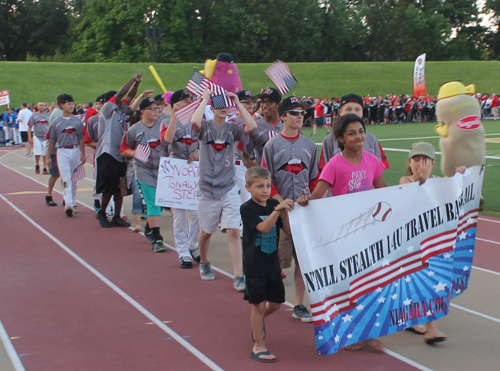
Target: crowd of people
x,y
254,163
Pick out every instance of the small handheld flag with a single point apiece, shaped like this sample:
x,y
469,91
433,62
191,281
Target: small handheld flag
x,y
78,173
142,152
198,83
185,113
280,75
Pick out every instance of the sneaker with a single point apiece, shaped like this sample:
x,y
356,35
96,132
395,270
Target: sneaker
x,y
37,169
45,172
9,144
186,262
206,272
301,312
119,222
313,134
195,254
75,210
125,217
239,283
328,131
49,201
97,205
103,220
26,154
149,236
158,246
69,211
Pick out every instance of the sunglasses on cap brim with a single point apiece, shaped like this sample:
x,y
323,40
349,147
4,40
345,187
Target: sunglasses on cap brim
x,y
296,112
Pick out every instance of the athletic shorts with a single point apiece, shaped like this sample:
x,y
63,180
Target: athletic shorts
x,y
268,288
54,170
494,111
286,250
109,172
39,147
227,209
24,136
149,195
319,121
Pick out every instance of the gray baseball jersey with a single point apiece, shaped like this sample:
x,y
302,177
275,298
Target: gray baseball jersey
x,y
93,127
39,124
150,136
217,157
239,147
66,131
331,147
185,140
260,136
56,112
293,163
111,130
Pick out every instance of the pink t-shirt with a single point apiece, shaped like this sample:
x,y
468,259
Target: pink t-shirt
x,y
345,177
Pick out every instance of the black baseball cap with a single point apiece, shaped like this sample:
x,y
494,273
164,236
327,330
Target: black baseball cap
x,y
178,95
290,103
225,57
271,93
159,99
99,98
65,98
351,98
244,94
146,102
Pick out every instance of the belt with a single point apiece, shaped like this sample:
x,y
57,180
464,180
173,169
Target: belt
x,y
69,147
237,162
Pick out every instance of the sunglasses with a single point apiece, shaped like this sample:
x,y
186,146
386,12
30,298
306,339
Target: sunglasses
x,y
152,108
296,112
247,101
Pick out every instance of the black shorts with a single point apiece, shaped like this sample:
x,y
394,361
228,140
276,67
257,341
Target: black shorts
x,y
268,288
109,172
53,170
24,136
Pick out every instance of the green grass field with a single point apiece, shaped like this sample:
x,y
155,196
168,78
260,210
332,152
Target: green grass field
x,y
33,81
401,136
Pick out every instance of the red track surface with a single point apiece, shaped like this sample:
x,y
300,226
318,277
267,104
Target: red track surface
x,y
68,319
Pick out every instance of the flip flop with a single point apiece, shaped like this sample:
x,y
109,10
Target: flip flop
x,y
263,332
353,347
437,338
374,345
257,356
417,329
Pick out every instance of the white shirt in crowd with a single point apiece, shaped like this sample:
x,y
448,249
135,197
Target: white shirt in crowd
x,y
24,119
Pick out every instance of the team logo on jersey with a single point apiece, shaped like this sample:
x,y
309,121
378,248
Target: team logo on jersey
x,y
186,139
43,122
69,130
218,145
153,143
294,166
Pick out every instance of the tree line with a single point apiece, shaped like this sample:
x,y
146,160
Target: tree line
x,y
251,30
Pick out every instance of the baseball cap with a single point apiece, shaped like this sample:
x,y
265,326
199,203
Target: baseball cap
x,y
271,93
65,98
225,57
146,102
243,94
423,149
178,95
159,99
351,98
291,102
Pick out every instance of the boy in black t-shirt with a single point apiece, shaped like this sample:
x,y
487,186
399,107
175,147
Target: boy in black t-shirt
x,y
262,219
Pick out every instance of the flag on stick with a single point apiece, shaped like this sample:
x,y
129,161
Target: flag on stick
x,y
198,83
419,76
184,114
280,75
78,173
142,152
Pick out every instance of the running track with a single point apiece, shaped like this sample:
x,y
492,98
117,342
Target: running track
x,y
74,296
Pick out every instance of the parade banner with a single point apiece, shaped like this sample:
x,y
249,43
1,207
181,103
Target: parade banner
x,y
419,76
177,184
4,98
377,262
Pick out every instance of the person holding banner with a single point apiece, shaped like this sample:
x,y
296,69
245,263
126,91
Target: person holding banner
x,y
292,161
352,170
218,197
183,144
66,135
143,143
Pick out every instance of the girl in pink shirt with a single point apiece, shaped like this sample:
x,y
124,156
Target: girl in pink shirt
x,y
352,170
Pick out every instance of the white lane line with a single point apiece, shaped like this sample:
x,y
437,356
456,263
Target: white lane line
x,y
207,361
486,270
407,360
11,351
482,239
489,220
476,313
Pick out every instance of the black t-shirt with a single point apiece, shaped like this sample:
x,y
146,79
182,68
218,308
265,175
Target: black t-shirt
x,y
260,251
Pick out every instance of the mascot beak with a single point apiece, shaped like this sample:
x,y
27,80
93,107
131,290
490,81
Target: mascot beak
x,y
441,129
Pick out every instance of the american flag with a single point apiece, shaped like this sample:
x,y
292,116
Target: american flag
x,y
198,83
184,114
78,173
280,75
142,152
